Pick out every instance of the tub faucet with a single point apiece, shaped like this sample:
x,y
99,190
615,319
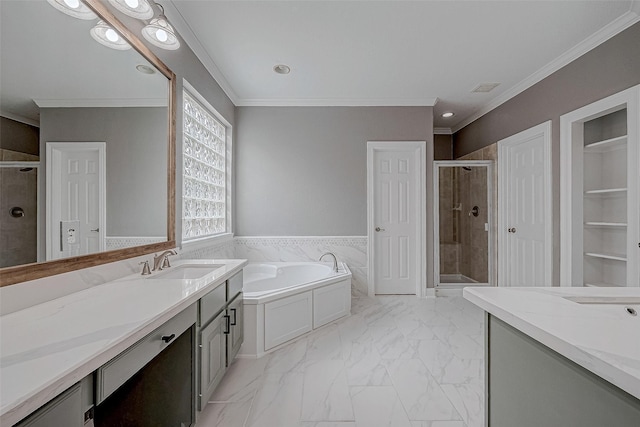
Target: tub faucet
x,y
164,256
335,260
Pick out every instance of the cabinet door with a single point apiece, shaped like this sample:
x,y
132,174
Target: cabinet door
x,y
64,410
212,343
236,335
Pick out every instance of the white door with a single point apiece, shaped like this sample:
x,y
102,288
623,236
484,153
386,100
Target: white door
x,y
525,211
75,199
396,223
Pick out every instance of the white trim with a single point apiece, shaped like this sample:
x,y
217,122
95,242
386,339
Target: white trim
x,y
339,102
615,27
571,180
436,218
205,242
442,131
21,164
20,119
185,31
97,103
422,152
100,147
544,130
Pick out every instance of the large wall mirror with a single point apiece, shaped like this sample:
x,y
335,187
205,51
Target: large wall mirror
x,y
87,139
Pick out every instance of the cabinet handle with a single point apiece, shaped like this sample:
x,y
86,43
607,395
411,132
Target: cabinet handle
x,y
233,322
168,338
228,324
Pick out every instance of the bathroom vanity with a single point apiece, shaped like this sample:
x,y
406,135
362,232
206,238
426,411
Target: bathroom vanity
x,y
561,356
142,347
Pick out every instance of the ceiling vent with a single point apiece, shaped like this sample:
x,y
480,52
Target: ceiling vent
x,y
485,87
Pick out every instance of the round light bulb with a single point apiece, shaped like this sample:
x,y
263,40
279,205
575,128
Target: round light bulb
x,y
111,35
162,35
132,3
74,4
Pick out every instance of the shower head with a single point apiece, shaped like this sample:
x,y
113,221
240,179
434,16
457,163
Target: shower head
x,y
26,169
467,168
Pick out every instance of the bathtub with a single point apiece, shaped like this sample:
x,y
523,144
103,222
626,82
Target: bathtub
x,y
284,300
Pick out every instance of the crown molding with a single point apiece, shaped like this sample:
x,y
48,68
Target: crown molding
x,y
442,131
338,102
19,118
88,103
185,31
615,27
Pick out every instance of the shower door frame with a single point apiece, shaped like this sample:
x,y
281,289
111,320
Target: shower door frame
x,y
489,164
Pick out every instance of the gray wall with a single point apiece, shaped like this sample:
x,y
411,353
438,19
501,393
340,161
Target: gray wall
x,y
186,65
16,136
301,171
136,161
609,68
442,147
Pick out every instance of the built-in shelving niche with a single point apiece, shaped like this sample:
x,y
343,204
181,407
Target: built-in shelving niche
x,y
599,192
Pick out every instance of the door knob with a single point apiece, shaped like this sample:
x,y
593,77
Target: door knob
x,y
379,229
511,230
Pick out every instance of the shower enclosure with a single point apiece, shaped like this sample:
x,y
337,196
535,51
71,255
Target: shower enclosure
x,y
18,213
463,218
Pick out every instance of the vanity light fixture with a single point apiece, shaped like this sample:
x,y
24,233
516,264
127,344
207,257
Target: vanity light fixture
x,y
107,36
139,9
160,33
75,8
448,114
282,69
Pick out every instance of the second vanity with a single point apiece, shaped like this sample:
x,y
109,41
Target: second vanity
x,y
561,356
87,355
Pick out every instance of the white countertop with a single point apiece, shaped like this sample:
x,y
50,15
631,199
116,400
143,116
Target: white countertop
x,y
603,339
47,348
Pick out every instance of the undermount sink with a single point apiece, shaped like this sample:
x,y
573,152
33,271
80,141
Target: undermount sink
x,y
604,300
187,271
620,304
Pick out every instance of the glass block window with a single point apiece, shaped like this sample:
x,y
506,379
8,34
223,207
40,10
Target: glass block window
x,y
204,205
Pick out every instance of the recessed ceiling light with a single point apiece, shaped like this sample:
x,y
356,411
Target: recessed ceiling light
x,y
282,69
145,69
448,114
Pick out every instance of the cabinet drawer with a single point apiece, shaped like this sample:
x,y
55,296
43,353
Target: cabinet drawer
x,y
234,286
118,370
211,304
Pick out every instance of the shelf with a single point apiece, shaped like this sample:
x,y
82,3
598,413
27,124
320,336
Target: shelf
x,y
606,191
601,285
606,145
612,256
605,224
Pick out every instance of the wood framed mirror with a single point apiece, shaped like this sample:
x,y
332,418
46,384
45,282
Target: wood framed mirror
x,y
89,102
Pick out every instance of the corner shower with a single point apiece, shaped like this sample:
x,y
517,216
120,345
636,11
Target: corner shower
x,y
463,219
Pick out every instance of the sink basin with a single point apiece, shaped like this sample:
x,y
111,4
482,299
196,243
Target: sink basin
x,y
187,271
605,300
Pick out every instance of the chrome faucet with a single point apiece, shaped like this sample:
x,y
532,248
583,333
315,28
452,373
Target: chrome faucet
x,y
162,258
335,260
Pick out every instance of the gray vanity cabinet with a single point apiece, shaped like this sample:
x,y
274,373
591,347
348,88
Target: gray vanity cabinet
x,y
64,410
213,349
220,335
236,331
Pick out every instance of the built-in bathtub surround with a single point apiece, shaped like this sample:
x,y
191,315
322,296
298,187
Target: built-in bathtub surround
x,y
352,250
284,300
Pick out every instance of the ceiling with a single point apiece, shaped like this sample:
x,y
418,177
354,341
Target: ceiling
x,y
49,59
392,52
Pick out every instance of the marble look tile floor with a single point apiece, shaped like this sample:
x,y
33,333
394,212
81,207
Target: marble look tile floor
x,y
396,361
